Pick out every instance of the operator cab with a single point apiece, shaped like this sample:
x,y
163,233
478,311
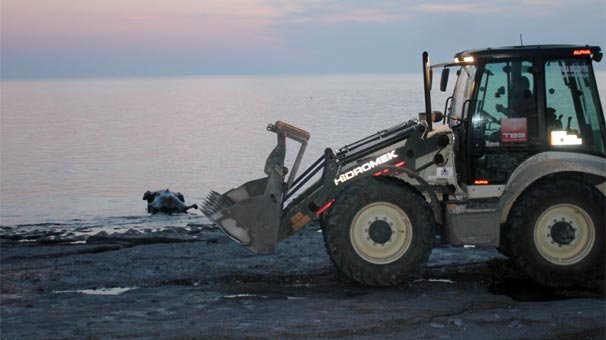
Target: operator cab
x,y
511,103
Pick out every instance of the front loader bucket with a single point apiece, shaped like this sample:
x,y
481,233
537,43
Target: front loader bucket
x,y
250,214
247,215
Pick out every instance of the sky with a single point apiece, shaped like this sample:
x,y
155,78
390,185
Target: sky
x,y
123,38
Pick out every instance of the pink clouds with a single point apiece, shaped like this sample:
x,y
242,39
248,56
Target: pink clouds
x,y
459,7
141,17
354,16
128,21
55,36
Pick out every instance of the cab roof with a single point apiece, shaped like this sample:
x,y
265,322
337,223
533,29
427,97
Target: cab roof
x,y
533,51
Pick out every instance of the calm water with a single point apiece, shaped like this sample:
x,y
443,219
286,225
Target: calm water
x,y
79,150
84,149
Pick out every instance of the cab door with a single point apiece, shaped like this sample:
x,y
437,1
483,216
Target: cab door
x,y
504,125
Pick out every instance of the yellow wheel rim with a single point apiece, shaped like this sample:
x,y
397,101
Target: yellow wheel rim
x,y
381,233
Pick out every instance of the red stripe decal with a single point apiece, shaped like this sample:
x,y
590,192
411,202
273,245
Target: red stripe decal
x,y
325,207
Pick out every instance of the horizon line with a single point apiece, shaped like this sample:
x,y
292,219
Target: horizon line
x,y
194,75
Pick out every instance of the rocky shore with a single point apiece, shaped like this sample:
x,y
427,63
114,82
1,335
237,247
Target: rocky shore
x,y
188,280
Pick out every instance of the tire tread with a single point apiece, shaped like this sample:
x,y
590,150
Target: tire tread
x,y
519,231
356,268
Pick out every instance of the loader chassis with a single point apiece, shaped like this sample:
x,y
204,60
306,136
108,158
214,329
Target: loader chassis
x,y
523,125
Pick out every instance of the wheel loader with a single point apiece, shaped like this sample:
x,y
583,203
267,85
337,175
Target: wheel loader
x,y
515,161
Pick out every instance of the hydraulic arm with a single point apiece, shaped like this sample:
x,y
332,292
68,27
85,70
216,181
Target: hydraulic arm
x,y
262,212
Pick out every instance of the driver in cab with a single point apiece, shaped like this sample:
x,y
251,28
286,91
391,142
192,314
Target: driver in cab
x,y
522,103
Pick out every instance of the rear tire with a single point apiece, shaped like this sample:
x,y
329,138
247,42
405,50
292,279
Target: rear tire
x,y
557,233
378,231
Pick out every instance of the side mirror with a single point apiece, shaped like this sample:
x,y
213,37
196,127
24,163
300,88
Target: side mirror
x,y
436,116
598,56
444,79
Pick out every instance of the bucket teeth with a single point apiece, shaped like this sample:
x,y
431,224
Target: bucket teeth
x,y
213,203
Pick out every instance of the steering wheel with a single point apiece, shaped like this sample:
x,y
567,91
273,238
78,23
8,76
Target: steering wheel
x,y
489,117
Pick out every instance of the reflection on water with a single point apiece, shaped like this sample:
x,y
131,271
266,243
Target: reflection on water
x,y
99,291
82,149
89,148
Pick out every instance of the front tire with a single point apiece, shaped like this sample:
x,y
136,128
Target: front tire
x,y
557,233
378,231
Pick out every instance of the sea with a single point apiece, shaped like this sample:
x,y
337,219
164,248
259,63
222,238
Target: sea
x,y
83,151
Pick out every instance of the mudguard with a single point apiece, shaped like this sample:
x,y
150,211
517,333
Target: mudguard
x,y
543,164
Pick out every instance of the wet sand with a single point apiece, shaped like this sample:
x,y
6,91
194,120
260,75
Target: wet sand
x,y
194,282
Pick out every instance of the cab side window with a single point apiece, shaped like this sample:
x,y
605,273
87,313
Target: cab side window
x,y
572,111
